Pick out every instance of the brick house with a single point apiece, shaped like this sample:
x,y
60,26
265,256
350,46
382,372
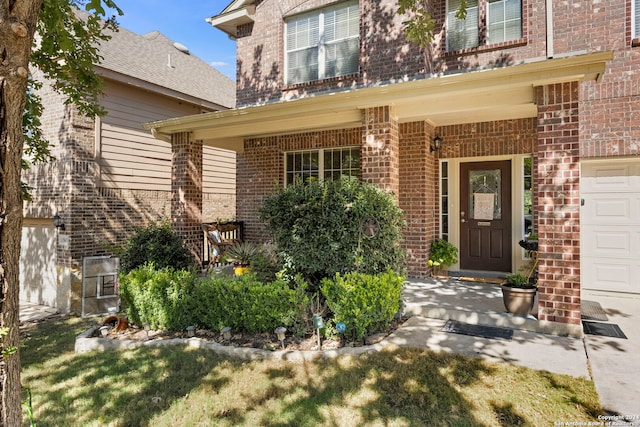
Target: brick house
x,y
535,106
110,175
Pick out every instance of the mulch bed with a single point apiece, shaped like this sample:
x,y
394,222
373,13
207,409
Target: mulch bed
x,y
243,339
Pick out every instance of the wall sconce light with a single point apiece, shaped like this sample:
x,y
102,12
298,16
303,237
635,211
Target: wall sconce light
x,y
57,222
437,141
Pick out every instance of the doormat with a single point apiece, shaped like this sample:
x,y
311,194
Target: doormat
x,y
592,310
603,329
482,331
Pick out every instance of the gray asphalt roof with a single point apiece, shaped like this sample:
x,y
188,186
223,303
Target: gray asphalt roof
x,y
153,58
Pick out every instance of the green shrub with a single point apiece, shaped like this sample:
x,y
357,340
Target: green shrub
x,y
162,297
244,303
365,303
158,244
335,226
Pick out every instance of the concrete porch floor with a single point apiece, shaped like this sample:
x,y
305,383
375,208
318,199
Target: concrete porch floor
x,y
477,303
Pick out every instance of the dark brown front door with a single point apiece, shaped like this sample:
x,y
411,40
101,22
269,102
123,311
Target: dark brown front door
x,y
485,216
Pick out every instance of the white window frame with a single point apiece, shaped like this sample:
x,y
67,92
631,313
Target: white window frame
x,y
635,19
321,166
322,42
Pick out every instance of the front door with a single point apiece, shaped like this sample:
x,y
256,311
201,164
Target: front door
x,y
485,216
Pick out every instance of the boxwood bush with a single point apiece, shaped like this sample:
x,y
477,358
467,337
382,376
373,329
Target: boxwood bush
x,y
174,299
163,297
243,302
365,303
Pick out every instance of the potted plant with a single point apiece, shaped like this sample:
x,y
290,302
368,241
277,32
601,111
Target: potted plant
x,y
241,254
518,294
443,255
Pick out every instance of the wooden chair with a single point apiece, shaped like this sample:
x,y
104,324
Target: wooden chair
x,y
218,240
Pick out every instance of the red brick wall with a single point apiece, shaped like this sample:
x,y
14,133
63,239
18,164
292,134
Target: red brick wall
x,y
488,138
557,184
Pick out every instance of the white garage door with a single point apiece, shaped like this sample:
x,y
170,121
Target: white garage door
x,y
610,225
38,278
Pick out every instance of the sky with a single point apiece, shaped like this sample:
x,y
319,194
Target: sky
x,y
183,21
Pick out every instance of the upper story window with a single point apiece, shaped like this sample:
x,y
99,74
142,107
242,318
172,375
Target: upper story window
x,y
324,164
503,23
322,44
635,19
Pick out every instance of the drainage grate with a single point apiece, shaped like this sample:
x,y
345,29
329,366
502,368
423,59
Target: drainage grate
x,y
491,332
603,329
592,310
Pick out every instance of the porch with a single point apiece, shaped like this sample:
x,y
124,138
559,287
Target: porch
x,y
472,302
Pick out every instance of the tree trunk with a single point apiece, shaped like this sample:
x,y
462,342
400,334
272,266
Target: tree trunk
x,y
18,19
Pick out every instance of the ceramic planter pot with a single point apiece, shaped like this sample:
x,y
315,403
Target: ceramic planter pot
x,y
240,269
518,301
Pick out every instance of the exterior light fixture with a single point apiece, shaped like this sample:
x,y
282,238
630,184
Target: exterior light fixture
x,y
146,326
437,141
280,333
191,331
57,222
226,332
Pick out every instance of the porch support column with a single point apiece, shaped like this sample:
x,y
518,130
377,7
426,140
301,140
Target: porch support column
x,y
380,160
418,196
186,192
558,208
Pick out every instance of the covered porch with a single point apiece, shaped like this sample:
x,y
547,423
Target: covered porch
x,y
498,115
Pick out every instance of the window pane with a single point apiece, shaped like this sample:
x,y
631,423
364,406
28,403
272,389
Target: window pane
x,y
485,195
528,195
341,58
302,65
504,21
637,18
341,162
462,33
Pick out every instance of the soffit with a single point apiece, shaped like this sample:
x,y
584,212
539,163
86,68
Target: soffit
x,y
476,96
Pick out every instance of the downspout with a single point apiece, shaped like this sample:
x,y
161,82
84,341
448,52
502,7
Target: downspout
x,y
549,16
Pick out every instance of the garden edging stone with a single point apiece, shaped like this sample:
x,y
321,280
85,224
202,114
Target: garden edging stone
x,y
86,342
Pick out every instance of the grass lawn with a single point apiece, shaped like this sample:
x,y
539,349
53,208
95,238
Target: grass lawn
x,y
187,387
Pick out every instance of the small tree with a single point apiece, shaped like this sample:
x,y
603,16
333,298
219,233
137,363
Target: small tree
x,y
337,226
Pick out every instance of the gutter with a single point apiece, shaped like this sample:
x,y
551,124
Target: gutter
x,y
549,33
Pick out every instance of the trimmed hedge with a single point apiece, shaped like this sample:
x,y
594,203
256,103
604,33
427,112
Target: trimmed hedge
x,y
365,303
174,299
162,297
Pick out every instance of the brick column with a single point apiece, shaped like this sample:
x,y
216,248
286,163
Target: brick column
x,y
418,196
558,194
380,160
186,191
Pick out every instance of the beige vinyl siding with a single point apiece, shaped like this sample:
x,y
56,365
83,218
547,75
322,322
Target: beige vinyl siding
x,y
130,158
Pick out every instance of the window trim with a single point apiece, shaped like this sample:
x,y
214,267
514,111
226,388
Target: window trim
x,y
320,151
482,37
635,17
321,43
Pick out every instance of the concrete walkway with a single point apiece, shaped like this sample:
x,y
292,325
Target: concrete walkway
x,y
30,311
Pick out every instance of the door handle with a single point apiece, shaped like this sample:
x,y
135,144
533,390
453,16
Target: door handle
x,y
463,220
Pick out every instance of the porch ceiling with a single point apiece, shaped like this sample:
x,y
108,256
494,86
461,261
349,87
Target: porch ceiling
x,y
477,96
